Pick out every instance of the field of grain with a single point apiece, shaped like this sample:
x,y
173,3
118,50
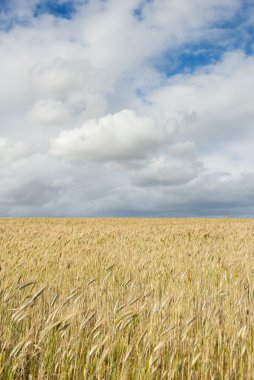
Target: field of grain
x,y
126,299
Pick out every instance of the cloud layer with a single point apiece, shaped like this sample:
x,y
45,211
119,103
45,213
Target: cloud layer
x,y
93,122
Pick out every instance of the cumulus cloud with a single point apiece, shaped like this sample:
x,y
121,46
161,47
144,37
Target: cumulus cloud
x,y
121,136
61,77
48,112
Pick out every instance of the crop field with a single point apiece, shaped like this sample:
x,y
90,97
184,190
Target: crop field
x,y
126,299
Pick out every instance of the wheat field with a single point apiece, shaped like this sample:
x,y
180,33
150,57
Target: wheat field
x,y
126,299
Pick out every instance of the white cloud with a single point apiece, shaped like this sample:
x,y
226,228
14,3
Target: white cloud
x,y
121,41
214,109
61,77
121,136
48,112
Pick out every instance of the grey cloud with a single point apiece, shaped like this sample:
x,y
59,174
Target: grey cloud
x,y
32,180
10,151
100,190
177,168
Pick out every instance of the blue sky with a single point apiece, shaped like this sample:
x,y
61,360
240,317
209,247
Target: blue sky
x,y
126,108
238,33
58,9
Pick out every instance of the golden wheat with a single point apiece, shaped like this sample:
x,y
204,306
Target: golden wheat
x,y
126,299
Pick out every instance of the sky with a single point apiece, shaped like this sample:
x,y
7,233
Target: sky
x,y
126,108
